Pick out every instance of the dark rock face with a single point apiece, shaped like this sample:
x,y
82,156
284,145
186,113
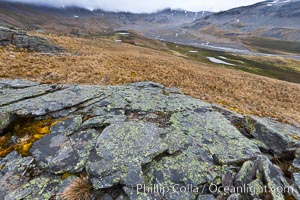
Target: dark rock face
x,y
22,40
142,141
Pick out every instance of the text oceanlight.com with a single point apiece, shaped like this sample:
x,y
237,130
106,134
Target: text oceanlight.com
x,y
211,188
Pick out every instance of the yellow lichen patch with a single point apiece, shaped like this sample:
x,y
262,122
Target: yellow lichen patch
x,y
65,175
87,117
28,131
296,137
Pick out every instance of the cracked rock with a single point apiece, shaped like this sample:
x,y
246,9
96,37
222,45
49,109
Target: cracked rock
x,y
122,137
58,153
120,152
280,138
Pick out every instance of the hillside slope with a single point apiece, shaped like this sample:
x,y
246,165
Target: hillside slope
x,y
105,61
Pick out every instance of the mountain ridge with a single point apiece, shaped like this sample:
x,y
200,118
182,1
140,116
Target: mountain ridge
x,y
260,19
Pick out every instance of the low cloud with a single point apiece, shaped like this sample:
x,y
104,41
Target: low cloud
x,y
139,6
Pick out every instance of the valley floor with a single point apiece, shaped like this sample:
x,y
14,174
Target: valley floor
x,y
108,62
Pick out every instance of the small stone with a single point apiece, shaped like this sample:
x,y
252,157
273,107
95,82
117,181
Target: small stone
x,y
256,189
206,197
274,178
107,197
121,197
296,178
246,174
296,162
235,197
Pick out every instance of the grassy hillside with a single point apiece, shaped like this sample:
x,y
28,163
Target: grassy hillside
x,y
103,60
266,45
273,67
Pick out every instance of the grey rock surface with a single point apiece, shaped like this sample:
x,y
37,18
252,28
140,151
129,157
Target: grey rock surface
x,y
280,138
120,152
246,174
22,40
137,137
16,83
5,120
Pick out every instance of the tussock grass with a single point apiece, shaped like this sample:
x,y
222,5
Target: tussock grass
x,y
80,189
105,62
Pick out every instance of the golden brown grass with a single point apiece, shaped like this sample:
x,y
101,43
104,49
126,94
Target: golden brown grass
x,y
278,61
104,62
80,189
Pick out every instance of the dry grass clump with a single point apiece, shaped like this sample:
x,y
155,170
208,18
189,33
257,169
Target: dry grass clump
x,y
80,189
105,62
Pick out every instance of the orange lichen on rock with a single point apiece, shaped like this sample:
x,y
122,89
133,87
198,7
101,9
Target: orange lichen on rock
x,y
27,131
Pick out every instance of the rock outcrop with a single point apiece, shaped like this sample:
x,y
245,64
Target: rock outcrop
x,y
139,141
21,39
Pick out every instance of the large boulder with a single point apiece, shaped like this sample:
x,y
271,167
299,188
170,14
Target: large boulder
x,y
138,141
21,39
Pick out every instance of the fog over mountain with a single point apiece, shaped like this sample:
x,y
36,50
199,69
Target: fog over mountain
x,y
138,6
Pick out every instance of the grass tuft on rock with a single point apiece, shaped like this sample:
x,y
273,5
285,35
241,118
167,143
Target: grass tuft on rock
x,y
80,189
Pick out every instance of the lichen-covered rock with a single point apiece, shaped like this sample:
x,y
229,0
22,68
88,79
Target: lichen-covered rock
x,y
53,102
296,161
279,137
246,174
133,193
43,188
237,120
105,119
206,197
256,189
16,84
235,197
9,96
274,178
58,153
133,137
14,171
67,127
212,137
5,120
120,152
296,177
22,40
65,183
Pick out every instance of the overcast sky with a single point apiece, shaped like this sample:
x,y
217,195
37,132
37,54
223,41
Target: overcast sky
x,y
139,6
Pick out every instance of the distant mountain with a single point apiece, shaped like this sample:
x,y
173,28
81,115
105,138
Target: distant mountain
x,y
82,21
279,19
267,27
58,20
